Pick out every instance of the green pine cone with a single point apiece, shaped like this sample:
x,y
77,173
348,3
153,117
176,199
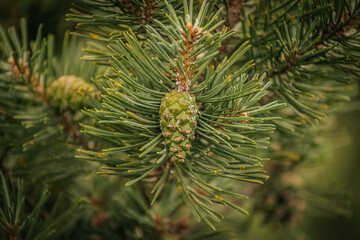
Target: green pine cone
x,y
178,120
64,92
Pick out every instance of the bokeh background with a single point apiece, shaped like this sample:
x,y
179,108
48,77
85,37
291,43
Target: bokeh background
x,y
342,167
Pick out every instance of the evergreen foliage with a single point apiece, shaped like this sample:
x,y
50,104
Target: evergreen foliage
x,y
185,102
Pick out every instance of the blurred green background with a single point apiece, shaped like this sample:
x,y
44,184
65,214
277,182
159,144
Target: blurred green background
x,y
50,13
342,168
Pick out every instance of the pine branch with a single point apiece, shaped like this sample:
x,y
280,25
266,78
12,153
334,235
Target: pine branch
x,y
229,118
176,114
17,222
298,45
114,16
40,125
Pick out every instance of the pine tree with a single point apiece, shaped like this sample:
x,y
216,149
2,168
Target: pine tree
x,y
185,102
